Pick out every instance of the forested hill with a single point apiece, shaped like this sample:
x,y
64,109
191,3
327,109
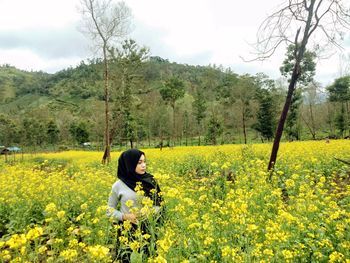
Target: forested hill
x,y
151,100
86,81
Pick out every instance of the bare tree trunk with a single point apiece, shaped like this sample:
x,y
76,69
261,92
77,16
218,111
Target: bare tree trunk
x,y
283,117
347,115
330,119
173,106
313,133
298,54
199,133
107,153
312,122
244,128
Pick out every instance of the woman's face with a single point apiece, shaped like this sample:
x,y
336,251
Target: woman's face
x,y
141,165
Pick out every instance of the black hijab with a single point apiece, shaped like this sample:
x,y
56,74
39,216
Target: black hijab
x,y
127,163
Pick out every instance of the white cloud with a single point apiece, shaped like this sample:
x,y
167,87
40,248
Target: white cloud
x,y
29,60
22,14
42,34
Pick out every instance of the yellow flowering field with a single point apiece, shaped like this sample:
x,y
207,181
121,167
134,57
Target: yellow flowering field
x,y
220,203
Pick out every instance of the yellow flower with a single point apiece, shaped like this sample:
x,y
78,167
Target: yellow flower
x,y
82,245
5,254
84,206
58,240
208,241
287,254
146,236
336,257
146,201
135,245
252,227
42,249
50,208
268,252
98,252
123,240
34,233
290,183
202,197
129,203
61,214
295,176
159,259
73,243
194,225
226,251
23,250
214,164
69,254
79,217
16,241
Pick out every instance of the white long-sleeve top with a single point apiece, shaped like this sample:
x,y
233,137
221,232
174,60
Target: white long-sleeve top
x,y
121,193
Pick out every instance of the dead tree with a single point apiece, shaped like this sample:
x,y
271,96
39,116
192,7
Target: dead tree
x,y
105,23
302,23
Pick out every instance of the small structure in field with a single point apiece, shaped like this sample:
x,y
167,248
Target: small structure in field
x,y
9,150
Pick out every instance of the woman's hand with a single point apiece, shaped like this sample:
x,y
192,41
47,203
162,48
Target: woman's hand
x,y
130,217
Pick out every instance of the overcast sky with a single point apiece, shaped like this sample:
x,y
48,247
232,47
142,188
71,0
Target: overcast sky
x,y
43,34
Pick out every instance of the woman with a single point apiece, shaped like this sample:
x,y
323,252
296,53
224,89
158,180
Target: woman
x,y
132,176
132,171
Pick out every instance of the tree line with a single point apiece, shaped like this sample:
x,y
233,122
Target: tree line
x,y
157,103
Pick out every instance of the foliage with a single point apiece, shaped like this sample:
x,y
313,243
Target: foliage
x,y
220,206
128,81
9,132
340,89
340,121
138,111
307,65
172,90
292,126
33,132
214,129
199,105
52,132
265,118
79,132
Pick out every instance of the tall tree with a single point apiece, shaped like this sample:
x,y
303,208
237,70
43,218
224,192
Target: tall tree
x,y
33,132
172,90
8,131
244,91
339,92
265,123
186,127
199,106
105,23
214,128
340,121
128,84
298,22
52,132
265,118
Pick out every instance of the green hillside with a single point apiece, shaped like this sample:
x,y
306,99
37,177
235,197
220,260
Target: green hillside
x,y
217,105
